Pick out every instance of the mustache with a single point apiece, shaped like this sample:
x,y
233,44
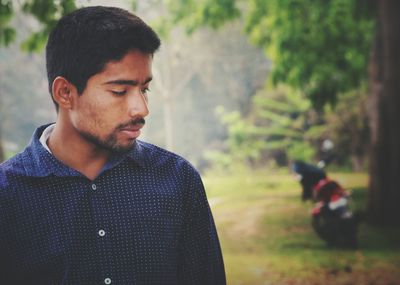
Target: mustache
x,y
134,122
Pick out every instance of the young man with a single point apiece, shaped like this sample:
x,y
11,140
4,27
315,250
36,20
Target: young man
x,y
88,203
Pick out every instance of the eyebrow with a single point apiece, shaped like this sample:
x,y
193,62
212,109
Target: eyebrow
x,y
127,82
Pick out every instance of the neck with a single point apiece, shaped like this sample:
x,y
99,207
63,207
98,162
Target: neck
x,y
68,146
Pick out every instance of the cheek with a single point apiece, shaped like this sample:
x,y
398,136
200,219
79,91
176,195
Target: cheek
x,y
105,117
92,115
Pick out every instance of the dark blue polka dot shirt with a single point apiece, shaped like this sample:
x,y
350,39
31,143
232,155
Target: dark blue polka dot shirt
x,y
144,220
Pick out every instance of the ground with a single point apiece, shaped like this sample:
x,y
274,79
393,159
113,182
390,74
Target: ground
x,y
266,236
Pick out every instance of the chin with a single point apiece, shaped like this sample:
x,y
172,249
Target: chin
x,y
123,148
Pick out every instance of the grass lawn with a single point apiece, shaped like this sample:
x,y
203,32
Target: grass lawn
x,y
266,236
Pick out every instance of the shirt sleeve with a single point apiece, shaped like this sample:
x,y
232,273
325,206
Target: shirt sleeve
x,y
201,259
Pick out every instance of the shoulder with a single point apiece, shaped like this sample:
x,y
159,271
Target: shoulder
x,y
173,167
155,156
15,166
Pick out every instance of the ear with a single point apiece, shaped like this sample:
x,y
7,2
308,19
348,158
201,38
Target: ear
x,y
62,91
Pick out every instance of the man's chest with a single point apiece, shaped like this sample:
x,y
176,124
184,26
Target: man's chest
x,y
124,228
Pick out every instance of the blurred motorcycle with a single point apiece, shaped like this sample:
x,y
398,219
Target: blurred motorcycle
x,y
332,218
308,175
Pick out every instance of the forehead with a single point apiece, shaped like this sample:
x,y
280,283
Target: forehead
x,y
134,65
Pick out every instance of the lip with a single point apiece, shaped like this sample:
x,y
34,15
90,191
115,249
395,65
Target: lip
x,y
132,131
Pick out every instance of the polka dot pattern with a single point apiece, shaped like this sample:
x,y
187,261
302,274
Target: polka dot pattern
x,y
144,220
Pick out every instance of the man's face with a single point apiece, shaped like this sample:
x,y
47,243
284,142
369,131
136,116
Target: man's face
x,y
110,111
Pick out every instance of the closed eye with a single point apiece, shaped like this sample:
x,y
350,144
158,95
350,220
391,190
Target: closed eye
x,y
119,93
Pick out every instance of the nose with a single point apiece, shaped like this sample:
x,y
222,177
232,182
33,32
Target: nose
x,y
137,104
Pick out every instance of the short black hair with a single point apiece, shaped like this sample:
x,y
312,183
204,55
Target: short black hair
x,y
84,41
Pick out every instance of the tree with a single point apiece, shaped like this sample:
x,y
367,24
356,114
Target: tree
x,y
322,48
193,74
7,35
384,192
347,126
280,127
170,87
319,47
47,12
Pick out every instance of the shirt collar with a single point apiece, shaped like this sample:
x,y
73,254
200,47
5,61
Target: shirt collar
x,y
43,163
44,137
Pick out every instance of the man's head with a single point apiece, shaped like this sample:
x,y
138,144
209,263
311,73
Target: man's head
x,y
99,69
85,40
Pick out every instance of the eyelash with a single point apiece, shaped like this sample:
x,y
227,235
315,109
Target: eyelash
x,y
121,93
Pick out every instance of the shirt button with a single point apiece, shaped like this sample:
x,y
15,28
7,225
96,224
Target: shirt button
x,y
102,233
107,281
94,187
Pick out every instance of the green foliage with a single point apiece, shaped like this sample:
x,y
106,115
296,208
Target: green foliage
x,y
347,126
242,143
134,5
47,12
320,47
195,13
301,150
284,120
162,26
280,127
7,33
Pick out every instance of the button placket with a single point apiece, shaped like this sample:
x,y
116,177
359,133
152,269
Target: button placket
x,y
101,233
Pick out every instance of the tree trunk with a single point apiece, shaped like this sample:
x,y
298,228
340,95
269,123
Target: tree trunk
x,y
384,189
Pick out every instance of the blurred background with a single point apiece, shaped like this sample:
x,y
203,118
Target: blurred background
x,y
242,89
